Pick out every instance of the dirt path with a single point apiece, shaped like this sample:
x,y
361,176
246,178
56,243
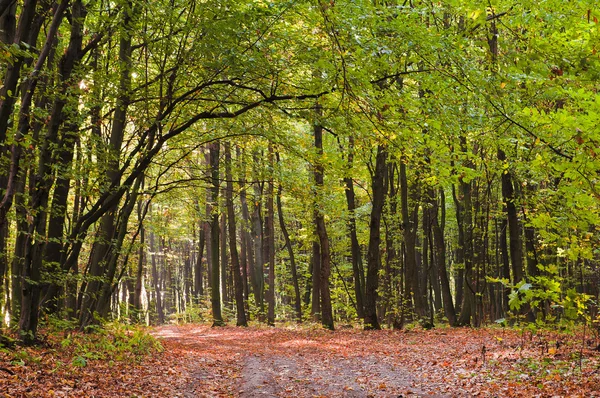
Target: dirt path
x,y
460,362
282,363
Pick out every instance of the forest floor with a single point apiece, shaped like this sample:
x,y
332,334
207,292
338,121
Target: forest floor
x,y
200,361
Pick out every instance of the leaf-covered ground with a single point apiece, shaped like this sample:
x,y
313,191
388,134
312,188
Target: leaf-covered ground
x,y
199,361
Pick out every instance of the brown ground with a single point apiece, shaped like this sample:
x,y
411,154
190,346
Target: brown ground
x,y
200,361
277,362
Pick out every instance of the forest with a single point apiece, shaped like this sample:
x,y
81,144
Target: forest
x,y
367,163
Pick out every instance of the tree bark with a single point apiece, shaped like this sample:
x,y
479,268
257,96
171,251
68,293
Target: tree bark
x,y
270,238
321,230
440,246
357,265
235,263
373,254
215,297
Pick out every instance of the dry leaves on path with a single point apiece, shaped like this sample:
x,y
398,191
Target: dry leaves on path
x,y
251,362
200,361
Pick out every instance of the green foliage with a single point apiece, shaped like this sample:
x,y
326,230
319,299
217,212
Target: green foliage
x,y
114,341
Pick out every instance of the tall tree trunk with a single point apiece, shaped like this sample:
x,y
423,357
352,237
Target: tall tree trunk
x,y
270,239
357,265
246,236
198,269
469,289
258,282
215,297
235,263
410,241
460,251
103,250
290,250
326,309
315,280
139,276
156,281
224,263
514,226
374,255
440,247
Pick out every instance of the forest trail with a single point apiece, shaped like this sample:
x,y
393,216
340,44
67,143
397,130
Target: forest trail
x,y
261,361
272,362
301,362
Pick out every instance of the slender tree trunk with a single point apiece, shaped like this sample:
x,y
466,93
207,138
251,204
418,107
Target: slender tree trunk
x,y
139,280
198,271
438,237
315,283
224,264
156,281
270,239
235,263
514,227
373,255
410,241
215,296
257,238
468,304
288,245
321,230
103,249
357,265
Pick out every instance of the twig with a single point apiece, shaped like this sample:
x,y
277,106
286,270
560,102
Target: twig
x,y
10,372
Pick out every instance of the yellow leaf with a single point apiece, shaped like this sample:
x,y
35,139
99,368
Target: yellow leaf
x,y
502,85
552,351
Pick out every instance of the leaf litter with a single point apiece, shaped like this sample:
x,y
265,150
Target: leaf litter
x,y
200,361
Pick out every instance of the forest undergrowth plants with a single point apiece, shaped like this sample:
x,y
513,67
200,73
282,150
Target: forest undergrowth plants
x,y
113,342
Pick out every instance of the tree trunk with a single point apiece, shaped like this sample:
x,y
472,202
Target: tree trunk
x,y
514,227
440,246
373,255
156,281
235,263
357,265
288,245
270,239
257,238
325,256
215,297
410,241
223,268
